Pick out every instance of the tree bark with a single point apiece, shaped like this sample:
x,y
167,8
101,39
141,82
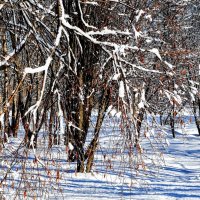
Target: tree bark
x,y
5,94
89,155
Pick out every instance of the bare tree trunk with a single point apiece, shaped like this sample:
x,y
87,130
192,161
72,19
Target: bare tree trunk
x,y
1,138
139,119
5,95
25,119
172,121
15,114
51,124
196,118
89,155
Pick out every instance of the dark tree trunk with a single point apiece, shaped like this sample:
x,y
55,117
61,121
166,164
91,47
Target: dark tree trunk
x,y
5,93
196,118
172,124
139,124
103,105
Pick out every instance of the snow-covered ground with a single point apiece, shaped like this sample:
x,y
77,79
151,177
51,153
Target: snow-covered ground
x,y
52,177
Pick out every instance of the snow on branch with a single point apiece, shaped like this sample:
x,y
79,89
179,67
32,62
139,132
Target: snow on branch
x,y
15,51
139,14
156,52
91,3
44,68
89,35
29,70
1,5
81,14
107,31
40,6
139,67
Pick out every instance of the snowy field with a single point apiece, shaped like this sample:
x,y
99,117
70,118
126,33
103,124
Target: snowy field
x,y
50,176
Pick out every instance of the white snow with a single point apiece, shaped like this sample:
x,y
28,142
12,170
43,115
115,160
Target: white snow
x,y
140,12
121,89
29,70
199,70
109,108
116,77
113,112
156,51
141,105
118,114
167,142
91,2
2,118
169,65
1,5
51,176
70,146
149,17
107,31
137,33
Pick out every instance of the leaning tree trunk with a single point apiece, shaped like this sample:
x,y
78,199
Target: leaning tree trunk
x,y
103,105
